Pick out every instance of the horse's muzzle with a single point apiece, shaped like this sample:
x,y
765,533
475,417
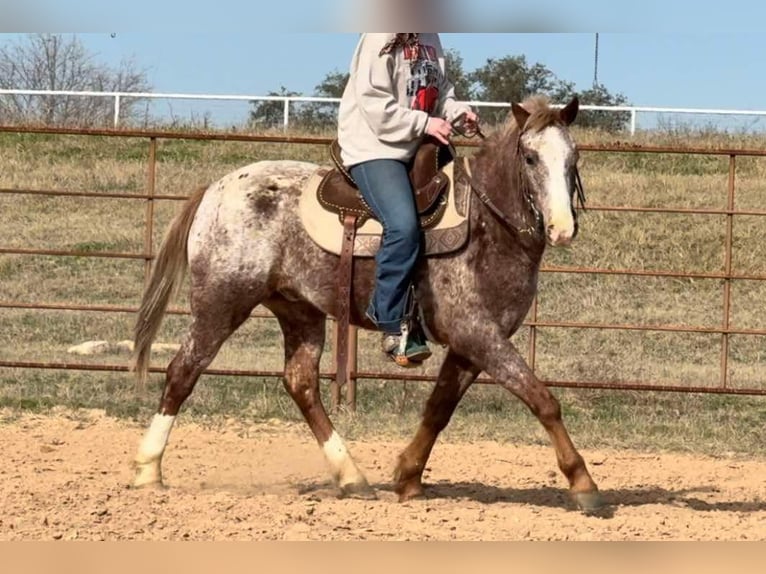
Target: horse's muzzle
x,y
560,237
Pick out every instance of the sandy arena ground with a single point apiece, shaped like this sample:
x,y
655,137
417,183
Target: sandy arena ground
x,y
67,477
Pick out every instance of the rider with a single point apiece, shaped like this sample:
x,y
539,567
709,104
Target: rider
x,y
396,94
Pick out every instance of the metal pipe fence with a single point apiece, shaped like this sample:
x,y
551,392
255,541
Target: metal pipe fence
x,y
150,199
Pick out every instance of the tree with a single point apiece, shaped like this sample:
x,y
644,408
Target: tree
x,y
54,62
332,85
511,79
508,79
268,114
501,80
453,64
608,121
541,80
320,115
304,115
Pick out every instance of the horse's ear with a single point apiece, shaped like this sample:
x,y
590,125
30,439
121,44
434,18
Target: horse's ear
x,y
569,112
520,115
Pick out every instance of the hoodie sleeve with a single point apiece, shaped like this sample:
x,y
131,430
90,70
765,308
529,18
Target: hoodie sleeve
x,y
449,107
374,89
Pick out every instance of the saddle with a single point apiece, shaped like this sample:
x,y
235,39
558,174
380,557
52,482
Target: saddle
x,y
338,193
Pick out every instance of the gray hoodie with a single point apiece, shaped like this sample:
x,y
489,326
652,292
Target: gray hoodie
x,y
388,99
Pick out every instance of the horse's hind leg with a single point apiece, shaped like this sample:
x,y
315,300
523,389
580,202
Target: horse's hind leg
x,y
304,333
455,376
212,323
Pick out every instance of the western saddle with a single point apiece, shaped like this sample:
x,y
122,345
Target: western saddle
x,y
339,194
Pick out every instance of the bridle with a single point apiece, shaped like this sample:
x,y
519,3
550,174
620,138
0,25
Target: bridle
x,y
538,224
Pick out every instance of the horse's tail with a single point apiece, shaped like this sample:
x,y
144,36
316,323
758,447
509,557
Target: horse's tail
x,y
169,269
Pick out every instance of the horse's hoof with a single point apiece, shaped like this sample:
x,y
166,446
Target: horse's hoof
x,y
147,474
358,491
152,485
408,492
408,496
590,503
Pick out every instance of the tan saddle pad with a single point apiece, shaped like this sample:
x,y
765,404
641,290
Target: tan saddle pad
x,y
449,234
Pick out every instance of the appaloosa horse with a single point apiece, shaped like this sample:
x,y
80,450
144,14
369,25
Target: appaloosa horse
x,y
244,246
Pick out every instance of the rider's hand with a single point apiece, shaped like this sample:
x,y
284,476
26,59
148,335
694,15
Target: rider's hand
x,y
471,120
440,129
468,123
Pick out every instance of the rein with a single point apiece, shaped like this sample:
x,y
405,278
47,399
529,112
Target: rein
x,y
504,219
485,199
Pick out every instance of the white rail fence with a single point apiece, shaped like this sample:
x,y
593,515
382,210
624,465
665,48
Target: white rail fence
x,y
754,116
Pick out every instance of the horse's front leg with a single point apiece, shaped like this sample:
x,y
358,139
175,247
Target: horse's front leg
x,y
497,356
455,376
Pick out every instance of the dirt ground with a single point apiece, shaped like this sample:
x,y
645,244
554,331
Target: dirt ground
x,y
67,477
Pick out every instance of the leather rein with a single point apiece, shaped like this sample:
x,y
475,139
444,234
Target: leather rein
x,y
529,229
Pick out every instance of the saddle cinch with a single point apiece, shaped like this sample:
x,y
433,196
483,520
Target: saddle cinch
x,y
337,193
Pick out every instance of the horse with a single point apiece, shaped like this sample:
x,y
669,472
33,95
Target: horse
x,y
242,243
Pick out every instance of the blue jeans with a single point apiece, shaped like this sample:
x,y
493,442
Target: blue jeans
x,y
385,186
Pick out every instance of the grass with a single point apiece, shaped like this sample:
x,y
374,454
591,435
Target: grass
x,y
651,420
714,425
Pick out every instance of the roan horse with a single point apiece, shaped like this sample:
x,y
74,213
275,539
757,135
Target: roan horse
x,y
244,245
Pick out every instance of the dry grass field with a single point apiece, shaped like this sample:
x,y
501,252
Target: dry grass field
x,y
652,420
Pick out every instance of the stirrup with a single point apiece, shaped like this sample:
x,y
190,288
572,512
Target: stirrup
x,y
406,350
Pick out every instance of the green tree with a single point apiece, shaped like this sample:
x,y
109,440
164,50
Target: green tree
x,y
608,121
512,79
453,64
310,116
507,79
269,114
332,85
501,80
321,115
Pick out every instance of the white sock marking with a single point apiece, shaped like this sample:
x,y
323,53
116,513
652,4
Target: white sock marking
x,y
341,463
156,438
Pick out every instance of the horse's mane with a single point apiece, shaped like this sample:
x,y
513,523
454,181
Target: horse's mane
x,y
541,115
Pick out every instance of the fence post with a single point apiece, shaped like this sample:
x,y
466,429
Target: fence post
x,y
353,346
633,122
727,272
286,117
116,110
533,335
336,387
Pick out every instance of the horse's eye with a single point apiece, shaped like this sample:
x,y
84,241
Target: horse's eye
x,y
530,158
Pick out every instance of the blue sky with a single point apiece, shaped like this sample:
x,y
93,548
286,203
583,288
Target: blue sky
x,y
677,54
705,69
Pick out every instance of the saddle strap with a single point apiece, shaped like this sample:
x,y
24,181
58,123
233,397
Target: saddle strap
x,y
345,276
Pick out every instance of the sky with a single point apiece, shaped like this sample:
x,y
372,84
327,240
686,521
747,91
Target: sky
x,y
671,54
703,70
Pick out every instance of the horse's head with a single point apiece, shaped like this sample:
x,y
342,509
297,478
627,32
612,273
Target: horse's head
x,y
548,163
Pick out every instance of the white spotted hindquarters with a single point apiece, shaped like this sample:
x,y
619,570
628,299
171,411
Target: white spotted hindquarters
x,y
149,456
